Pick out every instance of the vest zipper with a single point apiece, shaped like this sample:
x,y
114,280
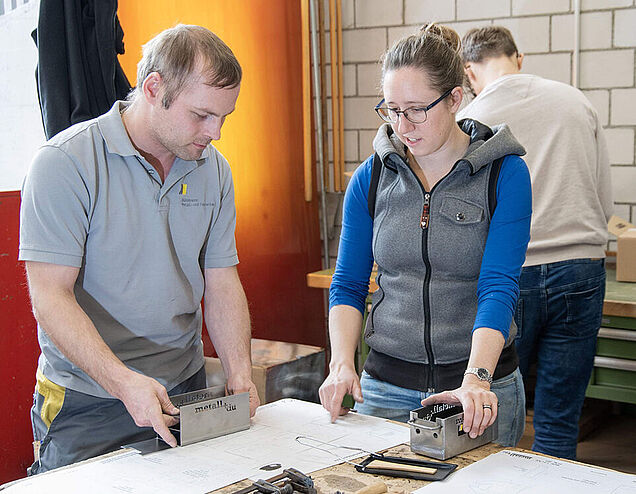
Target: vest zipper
x,y
425,211
424,223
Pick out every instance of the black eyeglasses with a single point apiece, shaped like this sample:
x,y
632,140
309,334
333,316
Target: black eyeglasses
x,y
415,114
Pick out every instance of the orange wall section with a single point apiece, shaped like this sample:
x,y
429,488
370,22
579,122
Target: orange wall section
x,y
277,233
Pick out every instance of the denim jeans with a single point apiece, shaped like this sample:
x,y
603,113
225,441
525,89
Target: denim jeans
x,y
558,316
382,399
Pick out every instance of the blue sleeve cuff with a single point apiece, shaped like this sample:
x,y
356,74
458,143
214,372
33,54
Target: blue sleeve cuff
x,y
494,314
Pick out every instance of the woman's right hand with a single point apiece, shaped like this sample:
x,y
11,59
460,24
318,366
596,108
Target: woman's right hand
x,y
340,381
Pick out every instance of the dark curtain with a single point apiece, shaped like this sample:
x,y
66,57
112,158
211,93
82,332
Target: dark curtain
x,y
78,73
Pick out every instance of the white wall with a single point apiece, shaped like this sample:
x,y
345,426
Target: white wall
x,y
21,131
543,30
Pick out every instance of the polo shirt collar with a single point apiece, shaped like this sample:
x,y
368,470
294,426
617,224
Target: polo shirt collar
x,y
114,133
116,138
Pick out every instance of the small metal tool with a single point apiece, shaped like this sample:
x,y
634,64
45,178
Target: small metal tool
x,y
408,468
438,431
203,414
291,480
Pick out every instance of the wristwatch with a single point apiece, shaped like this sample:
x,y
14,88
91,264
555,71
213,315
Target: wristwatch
x,y
481,373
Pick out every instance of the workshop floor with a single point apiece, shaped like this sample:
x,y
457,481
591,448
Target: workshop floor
x,y
609,437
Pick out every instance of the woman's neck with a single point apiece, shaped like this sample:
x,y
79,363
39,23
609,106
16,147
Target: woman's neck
x,y
435,166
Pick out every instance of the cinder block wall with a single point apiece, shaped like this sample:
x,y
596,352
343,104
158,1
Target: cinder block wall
x,y
544,31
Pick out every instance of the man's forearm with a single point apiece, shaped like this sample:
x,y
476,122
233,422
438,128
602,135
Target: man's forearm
x,y
228,322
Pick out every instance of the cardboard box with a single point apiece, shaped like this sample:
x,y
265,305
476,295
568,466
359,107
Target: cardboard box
x,y
625,248
279,370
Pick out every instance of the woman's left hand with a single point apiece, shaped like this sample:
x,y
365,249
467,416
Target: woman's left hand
x,y
479,404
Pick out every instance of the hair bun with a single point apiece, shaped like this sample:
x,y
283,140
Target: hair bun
x,y
450,36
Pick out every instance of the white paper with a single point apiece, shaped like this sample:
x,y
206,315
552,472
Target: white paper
x,y
512,472
212,464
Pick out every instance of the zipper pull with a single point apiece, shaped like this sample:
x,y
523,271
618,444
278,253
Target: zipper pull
x,y
425,211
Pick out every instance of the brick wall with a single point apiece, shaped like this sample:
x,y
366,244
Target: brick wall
x,y
543,30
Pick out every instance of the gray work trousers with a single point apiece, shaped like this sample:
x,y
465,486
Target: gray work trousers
x,y
87,426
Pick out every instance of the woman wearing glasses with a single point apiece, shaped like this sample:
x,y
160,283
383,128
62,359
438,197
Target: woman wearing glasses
x,y
445,214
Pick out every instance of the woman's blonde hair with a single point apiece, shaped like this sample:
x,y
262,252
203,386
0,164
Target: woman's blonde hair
x,y
435,50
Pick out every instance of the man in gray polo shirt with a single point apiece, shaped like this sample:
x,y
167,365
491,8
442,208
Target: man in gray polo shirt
x,y
127,222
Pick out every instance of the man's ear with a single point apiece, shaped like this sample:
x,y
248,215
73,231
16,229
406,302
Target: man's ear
x,y
519,60
468,70
151,87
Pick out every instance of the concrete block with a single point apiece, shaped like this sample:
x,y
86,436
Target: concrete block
x,y
351,145
600,100
620,145
604,4
363,45
623,107
359,113
348,14
623,180
369,75
595,31
532,7
484,9
423,11
608,68
463,27
623,211
396,33
555,66
625,27
365,142
349,80
532,34
371,13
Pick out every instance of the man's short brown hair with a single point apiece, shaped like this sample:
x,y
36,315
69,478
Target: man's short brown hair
x,y
178,52
482,43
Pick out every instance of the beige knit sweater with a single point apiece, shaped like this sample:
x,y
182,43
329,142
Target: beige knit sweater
x,y
567,158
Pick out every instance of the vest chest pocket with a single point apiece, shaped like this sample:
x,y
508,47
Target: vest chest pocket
x,y
461,212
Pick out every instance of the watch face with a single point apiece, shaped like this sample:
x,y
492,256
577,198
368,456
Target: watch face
x,y
482,374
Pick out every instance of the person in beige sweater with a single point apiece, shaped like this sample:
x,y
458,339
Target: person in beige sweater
x,y
563,279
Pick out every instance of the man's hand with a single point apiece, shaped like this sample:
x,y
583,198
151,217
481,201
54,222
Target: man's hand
x,y
148,404
339,382
237,385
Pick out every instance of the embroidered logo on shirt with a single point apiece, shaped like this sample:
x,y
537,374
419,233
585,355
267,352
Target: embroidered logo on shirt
x,y
184,190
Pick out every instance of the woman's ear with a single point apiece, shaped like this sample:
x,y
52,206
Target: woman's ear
x,y
455,99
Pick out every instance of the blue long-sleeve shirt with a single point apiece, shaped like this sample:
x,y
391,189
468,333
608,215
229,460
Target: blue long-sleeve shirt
x,y
504,253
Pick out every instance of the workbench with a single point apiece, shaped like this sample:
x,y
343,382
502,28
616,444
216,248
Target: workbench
x,y
345,478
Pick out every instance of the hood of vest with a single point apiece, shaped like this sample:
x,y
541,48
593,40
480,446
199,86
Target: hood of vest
x,y
486,144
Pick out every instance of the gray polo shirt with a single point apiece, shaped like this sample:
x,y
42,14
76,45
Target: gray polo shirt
x,y
91,201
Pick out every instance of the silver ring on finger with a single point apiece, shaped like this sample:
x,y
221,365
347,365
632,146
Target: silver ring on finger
x,y
487,406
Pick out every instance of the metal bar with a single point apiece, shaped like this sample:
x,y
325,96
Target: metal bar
x,y
318,114
335,97
323,90
577,43
617,334
341,166
615,363
306,67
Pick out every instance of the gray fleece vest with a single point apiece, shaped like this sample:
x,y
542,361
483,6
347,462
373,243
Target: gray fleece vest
x,y
429,260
